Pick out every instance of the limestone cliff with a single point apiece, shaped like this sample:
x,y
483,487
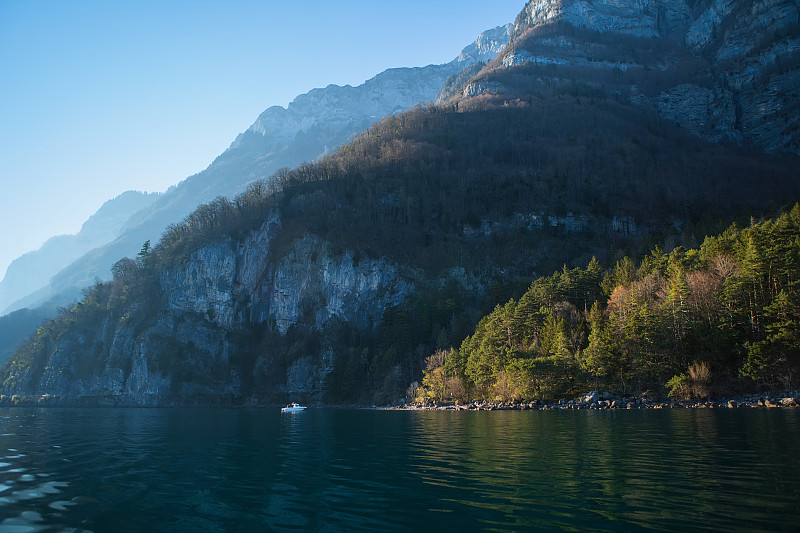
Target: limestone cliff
x,y
184,349
640,18
726,70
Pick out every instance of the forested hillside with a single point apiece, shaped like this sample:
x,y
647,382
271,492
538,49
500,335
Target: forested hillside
x,y
713,320
447,212
437,187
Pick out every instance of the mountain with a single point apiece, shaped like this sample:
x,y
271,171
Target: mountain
x,y
26,273
726,70
335,280
313,124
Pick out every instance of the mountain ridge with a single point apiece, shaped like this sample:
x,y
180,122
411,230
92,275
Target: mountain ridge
x,y
24,273
295,134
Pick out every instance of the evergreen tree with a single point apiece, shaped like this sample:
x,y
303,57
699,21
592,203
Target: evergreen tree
x,y
775,360
598,357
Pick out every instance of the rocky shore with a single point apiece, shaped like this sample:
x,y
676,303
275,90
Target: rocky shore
x,y
592,400
596,400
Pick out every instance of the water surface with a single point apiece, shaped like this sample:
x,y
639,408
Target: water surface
x,y
355,470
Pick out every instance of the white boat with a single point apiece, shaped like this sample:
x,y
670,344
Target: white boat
x,y
293,408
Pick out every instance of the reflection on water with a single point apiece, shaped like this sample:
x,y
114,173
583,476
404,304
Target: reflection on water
x,y
339,470
614,471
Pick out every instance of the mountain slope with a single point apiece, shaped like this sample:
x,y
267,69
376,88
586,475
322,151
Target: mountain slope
x,y
699,323
335,280
728,71
338,284
16,327
312,124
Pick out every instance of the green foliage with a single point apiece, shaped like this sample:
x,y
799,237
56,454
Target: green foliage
x,y
678,387
599,357
144,253
775,359
728,311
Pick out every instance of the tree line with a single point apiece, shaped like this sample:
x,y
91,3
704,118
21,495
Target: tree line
x,y
718,319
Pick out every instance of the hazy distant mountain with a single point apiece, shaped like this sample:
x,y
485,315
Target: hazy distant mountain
x,y
16,327
313,124
28,272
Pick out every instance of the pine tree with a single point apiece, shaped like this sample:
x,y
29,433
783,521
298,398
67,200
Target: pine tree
x,y
677,300
776,359
598,357
144,253
526,322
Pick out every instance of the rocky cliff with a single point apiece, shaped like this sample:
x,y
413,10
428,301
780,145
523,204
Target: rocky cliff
x,y
726,70
186,347
640,18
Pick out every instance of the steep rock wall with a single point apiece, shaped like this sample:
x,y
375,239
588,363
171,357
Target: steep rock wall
x,y
726,70
310,279
640,18
226,290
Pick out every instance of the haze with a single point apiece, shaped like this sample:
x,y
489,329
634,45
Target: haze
x,y
101,97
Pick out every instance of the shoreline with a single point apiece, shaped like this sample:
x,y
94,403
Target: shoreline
x,y
591,401
596,401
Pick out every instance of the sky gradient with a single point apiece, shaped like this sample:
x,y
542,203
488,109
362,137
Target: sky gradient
x,y
102,97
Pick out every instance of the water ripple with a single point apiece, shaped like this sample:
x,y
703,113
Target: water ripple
x,y
181,470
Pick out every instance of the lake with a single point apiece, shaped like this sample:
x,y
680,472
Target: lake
x,y
367,470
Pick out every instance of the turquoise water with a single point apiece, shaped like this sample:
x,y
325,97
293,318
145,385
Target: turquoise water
x,y
353,470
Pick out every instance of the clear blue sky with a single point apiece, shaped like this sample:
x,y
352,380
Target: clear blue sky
x,y
100,97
